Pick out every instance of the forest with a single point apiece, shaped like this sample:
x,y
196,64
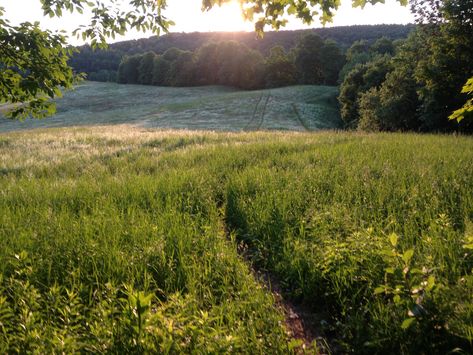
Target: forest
x,y
416,84
313,62
102,64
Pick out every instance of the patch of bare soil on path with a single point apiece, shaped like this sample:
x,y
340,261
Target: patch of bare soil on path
x,y
303,325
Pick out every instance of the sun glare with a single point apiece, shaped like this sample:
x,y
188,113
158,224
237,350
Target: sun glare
x,y
221,18
228,18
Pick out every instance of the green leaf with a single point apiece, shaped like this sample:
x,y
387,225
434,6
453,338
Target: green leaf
x,y
397,299
393,238
407,256
468,87
389,253
407,323
380,289
467,108
430,283
295,343
469,243
468,246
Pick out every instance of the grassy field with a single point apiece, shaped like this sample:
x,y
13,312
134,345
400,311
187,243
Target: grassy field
x,y
298,108
127,239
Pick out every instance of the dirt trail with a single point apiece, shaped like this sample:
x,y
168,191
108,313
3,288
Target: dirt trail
x,y
301,323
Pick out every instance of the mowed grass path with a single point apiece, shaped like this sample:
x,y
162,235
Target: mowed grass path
x,y
126,239
298,108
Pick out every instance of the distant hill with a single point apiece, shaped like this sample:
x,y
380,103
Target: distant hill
x,y
92,62
344,36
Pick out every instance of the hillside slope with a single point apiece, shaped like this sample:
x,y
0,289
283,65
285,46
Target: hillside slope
x,y
298,108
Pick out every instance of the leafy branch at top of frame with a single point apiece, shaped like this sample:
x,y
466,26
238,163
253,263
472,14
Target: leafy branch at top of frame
x,y
111,18
34,68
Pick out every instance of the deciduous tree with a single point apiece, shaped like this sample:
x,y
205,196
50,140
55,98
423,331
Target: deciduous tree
x,y
308,59
145,69
280,69
332,61
128,70
359,80
161,68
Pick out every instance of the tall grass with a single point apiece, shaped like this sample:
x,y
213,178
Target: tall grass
x,y
121,239
115,252
322,218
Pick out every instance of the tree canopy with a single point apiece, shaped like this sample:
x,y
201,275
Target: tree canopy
x,y
312,61
421,77
34,62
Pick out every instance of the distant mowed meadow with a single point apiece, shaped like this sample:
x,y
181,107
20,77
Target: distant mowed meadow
x,y
297,108
124,238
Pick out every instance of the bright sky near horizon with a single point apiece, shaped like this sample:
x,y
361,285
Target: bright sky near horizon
x,y
227,18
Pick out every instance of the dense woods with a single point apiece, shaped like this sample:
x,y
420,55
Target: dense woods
x,y
313,61
102,65
413,84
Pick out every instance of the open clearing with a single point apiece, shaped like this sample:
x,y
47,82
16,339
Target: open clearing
x,y
129,239
296,108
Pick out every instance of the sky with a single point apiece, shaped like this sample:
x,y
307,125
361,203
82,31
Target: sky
x,y
227,18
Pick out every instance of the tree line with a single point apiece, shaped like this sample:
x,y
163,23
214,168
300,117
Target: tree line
x,y
312,61
102,64
413,84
